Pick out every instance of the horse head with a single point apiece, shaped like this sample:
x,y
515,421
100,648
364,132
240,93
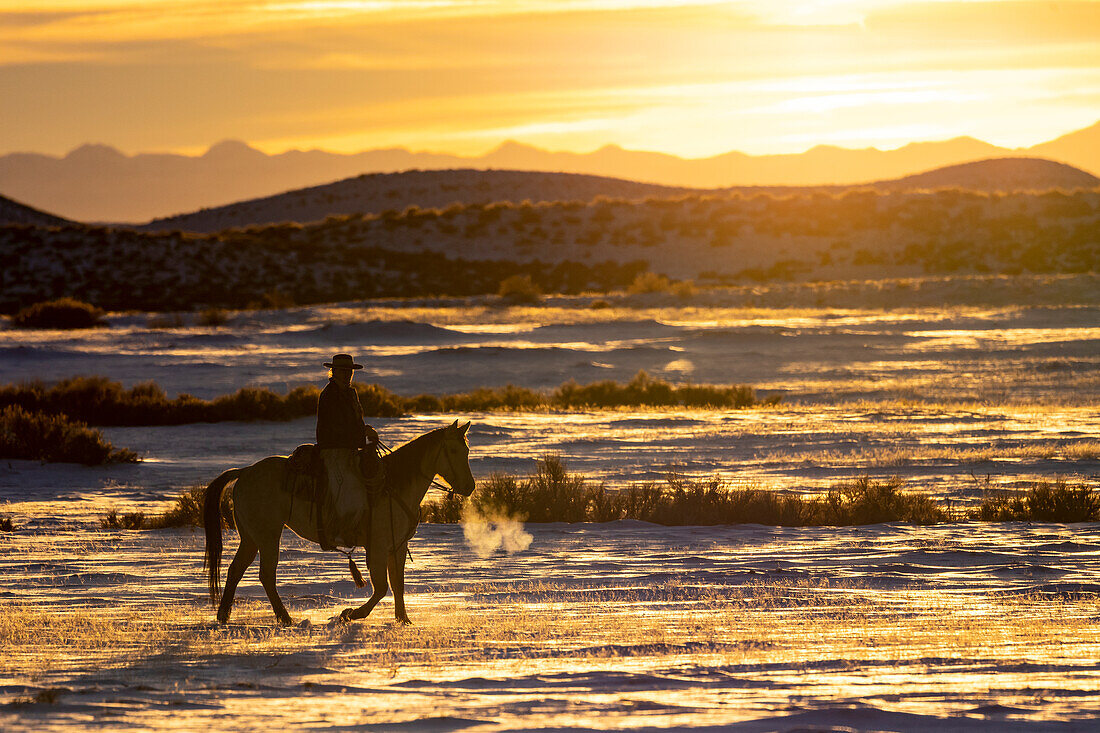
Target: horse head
x,y
453,463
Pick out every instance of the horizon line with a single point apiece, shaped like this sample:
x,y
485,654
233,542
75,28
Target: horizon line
x,y
199,152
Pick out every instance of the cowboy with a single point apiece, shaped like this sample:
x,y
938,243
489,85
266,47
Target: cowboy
x,y
343,437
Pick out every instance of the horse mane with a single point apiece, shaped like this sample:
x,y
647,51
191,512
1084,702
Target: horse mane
x,y
404,459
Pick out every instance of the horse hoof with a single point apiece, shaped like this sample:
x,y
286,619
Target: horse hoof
x,y
223,619
288,621
345,616
405,621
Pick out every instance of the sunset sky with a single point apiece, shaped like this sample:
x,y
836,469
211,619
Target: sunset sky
x,y
690,78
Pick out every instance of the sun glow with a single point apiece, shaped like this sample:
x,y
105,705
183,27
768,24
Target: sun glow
x,y
692,78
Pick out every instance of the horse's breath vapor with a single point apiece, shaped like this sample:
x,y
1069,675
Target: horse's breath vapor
x,y
491,531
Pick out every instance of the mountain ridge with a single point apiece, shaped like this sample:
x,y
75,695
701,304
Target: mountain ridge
x,y
96,182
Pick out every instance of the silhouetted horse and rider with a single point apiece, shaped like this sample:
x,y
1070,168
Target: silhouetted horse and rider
x,y
340,492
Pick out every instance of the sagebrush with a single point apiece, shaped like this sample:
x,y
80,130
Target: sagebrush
x,y
40,436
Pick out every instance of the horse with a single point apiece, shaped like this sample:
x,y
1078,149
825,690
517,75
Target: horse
x,y
263,504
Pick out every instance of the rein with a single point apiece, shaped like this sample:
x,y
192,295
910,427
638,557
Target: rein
x,y
434,484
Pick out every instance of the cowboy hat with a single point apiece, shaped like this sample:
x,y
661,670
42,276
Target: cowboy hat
x,y
342,361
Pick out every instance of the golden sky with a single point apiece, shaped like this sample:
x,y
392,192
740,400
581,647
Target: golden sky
x,y
690,78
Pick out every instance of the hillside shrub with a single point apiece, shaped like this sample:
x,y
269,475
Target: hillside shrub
x,y
65,313
40,436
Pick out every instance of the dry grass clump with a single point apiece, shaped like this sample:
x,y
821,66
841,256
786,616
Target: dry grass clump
x,y
650,282
552,494
99,401
519,290
114,520
185,512
49,696
212,317
1086,450
39,436
63,313
1044,502
865,501
165,320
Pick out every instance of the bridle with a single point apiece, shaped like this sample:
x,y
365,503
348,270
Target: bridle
x,y
434,484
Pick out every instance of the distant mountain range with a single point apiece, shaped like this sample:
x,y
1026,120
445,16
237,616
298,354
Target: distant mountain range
x,y
98,183
378,192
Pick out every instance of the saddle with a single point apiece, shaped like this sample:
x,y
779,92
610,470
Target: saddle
x,y
309,479
306,459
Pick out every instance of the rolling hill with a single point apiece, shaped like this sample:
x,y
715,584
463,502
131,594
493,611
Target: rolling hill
x,y
998,174
13,212
563,246
98,183
379,192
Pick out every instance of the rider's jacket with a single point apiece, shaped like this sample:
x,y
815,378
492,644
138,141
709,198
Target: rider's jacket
x,y
340,418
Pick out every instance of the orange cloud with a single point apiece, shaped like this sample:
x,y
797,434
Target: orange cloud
x,y
693,78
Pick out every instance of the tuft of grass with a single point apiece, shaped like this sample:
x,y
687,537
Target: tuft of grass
x,y
552,494
1043,502
66,313
6,524
39,436
48,696
114,520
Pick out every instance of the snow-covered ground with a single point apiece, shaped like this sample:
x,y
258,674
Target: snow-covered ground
x,y
618,626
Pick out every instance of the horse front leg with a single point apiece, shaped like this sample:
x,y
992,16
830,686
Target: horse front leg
x,y
396,566
377,567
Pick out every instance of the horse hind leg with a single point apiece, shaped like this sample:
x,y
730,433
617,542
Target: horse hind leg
x,y
378,584
269,561
246,553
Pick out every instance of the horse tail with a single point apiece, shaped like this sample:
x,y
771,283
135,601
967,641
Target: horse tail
x,y
212,520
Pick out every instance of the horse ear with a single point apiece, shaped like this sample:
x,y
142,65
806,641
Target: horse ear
x,y
454,425
462,430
